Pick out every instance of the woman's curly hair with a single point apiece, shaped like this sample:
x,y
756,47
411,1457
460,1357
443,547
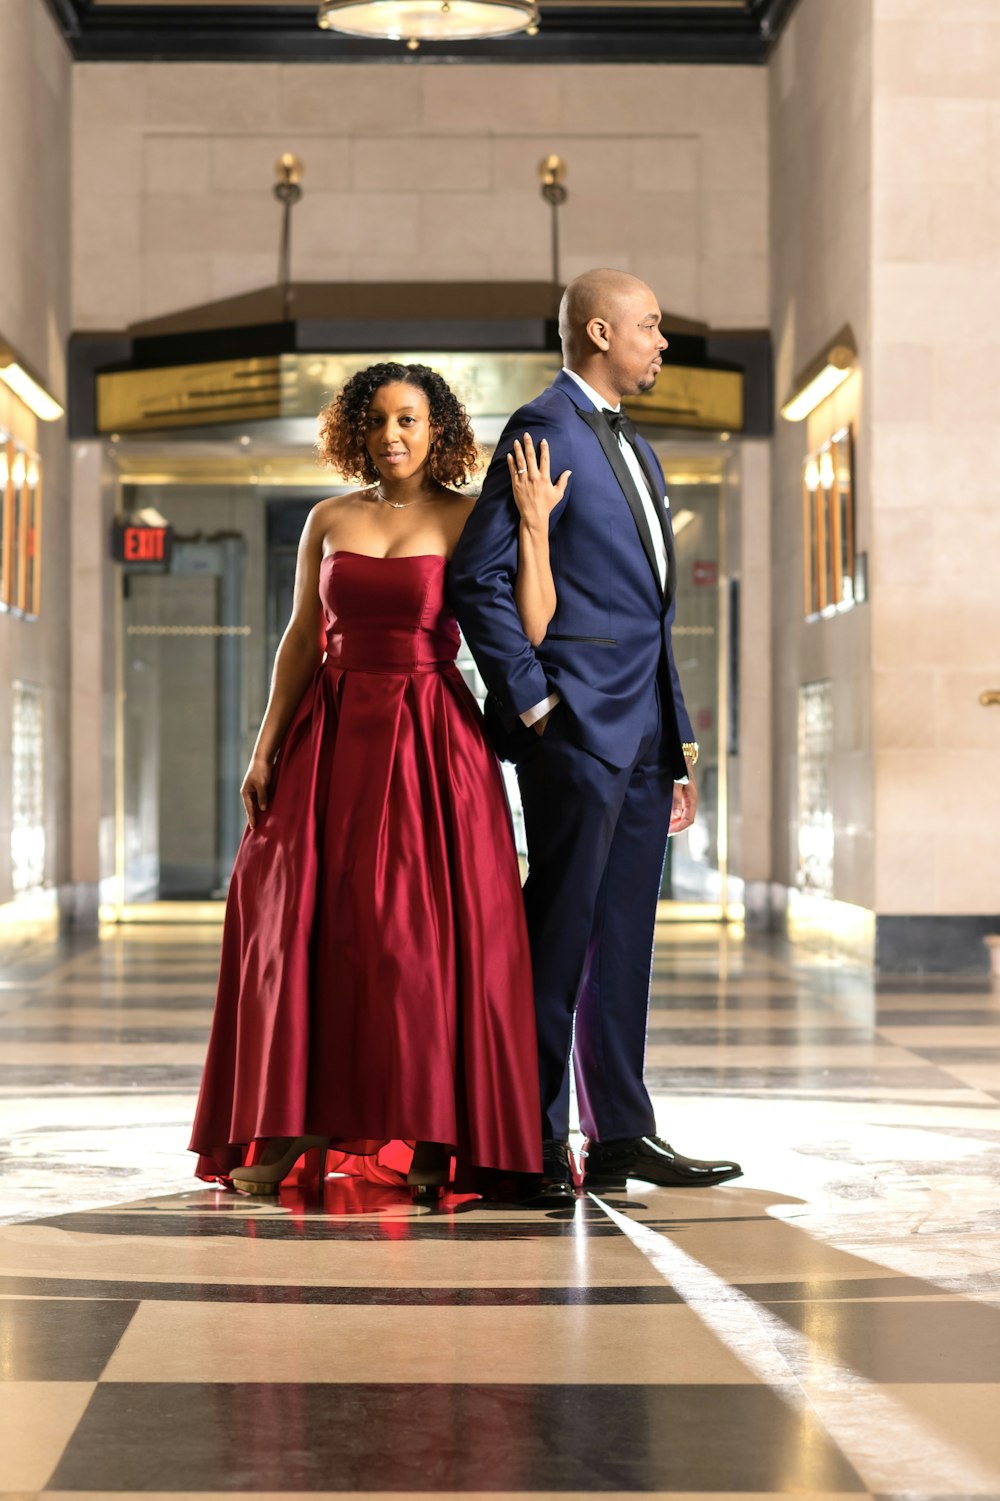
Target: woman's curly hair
x,y
342,425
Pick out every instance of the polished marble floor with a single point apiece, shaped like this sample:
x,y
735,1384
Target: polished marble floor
x,y
827,1326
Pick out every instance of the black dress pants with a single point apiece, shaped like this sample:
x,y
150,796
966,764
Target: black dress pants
x,y
596,845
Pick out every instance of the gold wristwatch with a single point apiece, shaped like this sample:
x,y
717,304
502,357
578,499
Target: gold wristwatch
x,y
690,749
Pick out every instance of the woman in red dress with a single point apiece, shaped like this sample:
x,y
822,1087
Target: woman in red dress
x,y
375,1005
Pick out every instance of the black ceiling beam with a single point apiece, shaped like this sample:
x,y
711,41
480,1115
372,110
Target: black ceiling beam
x,y
67,18
207,33
771,16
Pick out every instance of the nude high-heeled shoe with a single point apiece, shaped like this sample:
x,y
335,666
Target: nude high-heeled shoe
x,y
430,1170
266,1177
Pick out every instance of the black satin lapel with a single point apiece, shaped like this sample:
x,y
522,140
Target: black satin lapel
x,y
671,588
654,482
616,459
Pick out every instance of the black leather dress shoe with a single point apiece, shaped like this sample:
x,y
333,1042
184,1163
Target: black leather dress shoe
x,y
555,1188
609,1164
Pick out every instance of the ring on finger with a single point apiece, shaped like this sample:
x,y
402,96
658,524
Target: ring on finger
x,y
522,471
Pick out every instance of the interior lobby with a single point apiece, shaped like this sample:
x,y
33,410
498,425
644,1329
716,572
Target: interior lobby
x,y
220,212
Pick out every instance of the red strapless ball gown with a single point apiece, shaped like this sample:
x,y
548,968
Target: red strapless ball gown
x,y
375,982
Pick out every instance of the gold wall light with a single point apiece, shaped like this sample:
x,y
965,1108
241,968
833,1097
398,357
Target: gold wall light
x,y
17,375
820,379
552,176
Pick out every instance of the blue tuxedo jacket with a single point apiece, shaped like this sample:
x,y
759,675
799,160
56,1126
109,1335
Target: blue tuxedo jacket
x,y
609,640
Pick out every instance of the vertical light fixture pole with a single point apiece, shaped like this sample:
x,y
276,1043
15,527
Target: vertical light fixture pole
x,y
288,191
551,171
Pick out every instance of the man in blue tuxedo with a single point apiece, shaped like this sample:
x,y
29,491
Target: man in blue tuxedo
x,y
594,718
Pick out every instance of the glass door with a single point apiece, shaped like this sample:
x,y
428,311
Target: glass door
x,y
694,876
183,710
197,643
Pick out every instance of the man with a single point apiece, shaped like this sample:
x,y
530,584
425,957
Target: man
x,y
594,719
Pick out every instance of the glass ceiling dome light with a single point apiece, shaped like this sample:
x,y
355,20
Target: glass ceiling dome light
x,y
417,21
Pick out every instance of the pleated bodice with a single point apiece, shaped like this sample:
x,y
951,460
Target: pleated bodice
x,y
387,614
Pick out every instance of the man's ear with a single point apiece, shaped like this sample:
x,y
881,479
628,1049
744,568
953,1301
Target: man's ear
x,y
598,332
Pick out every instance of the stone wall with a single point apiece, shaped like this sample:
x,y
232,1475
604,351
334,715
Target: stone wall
x,y
35,90
936,405
821,208
416,172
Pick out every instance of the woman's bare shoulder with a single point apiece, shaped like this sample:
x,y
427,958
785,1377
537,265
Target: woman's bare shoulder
x,y
458,512
326,511
344,501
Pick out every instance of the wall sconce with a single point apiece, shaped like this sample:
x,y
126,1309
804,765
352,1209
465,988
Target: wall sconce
x,y
15,373
288,191
820,379
552,175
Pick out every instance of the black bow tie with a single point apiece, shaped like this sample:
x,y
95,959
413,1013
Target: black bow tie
x,y
619,424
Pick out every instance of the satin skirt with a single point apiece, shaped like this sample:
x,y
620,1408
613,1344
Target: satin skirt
x,y
375,980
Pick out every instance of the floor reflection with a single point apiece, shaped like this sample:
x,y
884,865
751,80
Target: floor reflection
x,y
829,1325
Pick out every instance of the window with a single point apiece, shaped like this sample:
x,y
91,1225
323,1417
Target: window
x,y
27,834
815,823
828,529
20,528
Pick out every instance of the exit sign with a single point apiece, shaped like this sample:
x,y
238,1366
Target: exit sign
x,y
144,547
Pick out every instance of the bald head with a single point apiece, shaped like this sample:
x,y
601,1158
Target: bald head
x,y
609,324
603,294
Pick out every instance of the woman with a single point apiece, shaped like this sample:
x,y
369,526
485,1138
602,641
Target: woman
x,y
375,984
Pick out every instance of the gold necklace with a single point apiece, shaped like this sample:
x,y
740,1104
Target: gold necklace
x,y
397,505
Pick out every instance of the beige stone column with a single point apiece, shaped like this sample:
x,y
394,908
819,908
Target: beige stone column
x,y
821,206
35,95
935,484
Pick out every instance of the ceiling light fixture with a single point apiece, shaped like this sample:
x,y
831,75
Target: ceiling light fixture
x,y
820,379
428,20
16,374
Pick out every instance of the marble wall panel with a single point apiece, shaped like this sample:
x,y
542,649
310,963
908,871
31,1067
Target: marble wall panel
x,y
748,531
237,272
820,217
908,633
904,707
113,95
420,172
452,163
936,281
244,163
670,164
223,96
732,158
734,287
676,279
735,223
901,221
961,718
903,385
107,159
520,101
960,866
905,535
177,164
176,281
35,93
905,870
938,56
355,101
